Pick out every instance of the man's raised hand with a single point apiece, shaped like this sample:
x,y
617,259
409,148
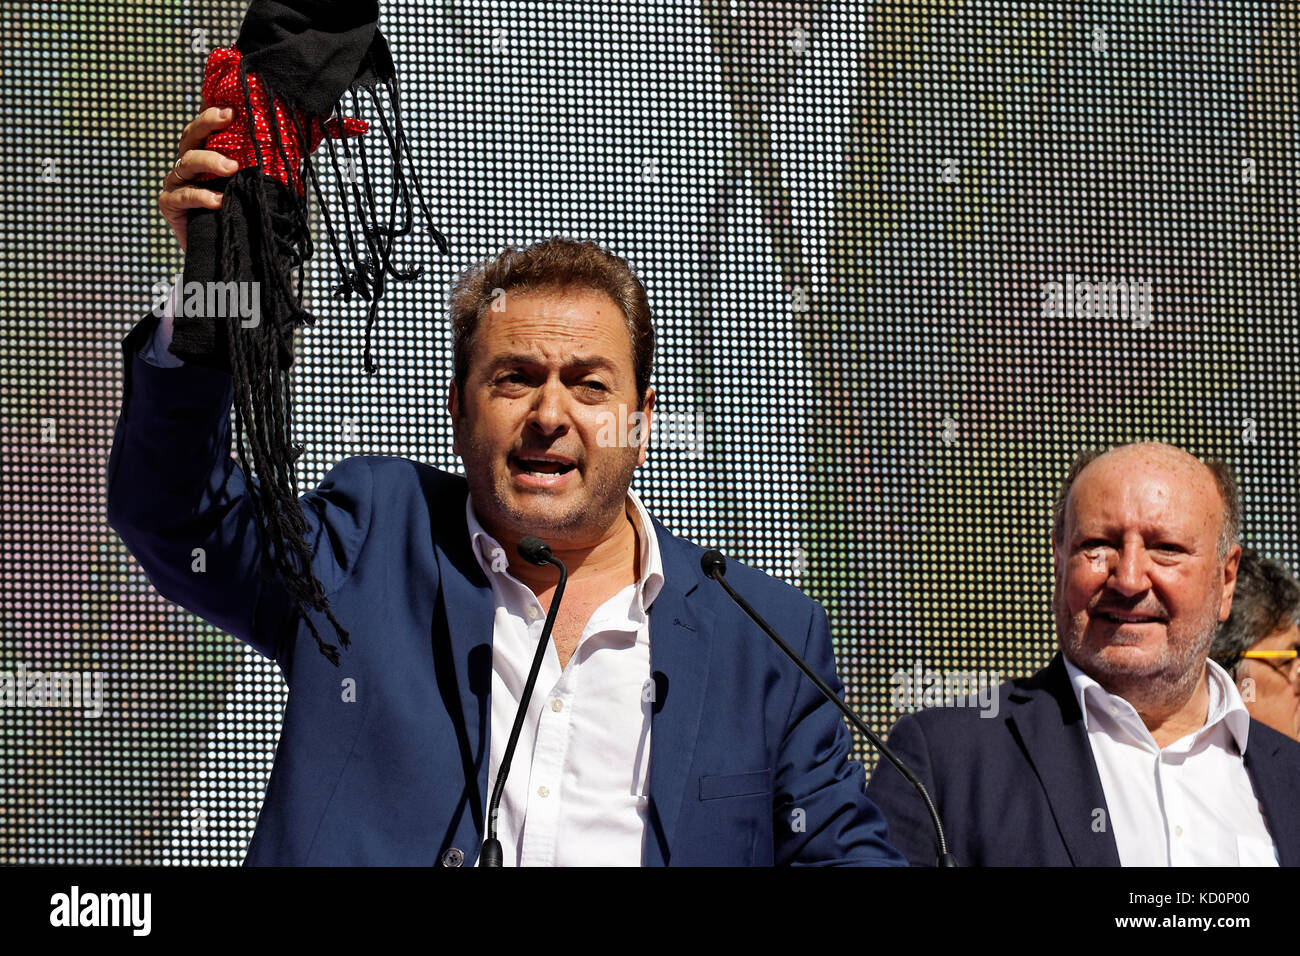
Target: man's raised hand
x,y
180,193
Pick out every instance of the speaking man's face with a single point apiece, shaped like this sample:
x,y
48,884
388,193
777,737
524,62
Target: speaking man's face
x,y
1140,586
549,425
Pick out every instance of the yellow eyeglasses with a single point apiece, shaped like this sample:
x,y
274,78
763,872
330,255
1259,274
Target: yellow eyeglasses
x,y
1287,660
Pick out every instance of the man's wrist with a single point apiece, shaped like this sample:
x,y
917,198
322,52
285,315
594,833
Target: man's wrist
x,y
156,352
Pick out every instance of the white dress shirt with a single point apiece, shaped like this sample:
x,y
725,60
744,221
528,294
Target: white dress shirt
x,y
577,793
1188,804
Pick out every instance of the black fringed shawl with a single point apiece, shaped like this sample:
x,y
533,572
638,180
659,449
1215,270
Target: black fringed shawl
x,y
285,80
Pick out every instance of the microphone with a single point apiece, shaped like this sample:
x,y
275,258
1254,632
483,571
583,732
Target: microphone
x,y
714,565
535,551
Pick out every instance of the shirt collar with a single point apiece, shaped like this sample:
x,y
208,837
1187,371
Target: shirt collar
x,y
492,556
1225,702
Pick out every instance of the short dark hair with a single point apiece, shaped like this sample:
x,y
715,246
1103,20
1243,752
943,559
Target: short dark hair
x,y
554,264
1223,480
1266,599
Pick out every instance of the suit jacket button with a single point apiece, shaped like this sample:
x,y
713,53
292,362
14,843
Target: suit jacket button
x,y
453,857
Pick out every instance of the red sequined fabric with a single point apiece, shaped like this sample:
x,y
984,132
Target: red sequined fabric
x,y
221,88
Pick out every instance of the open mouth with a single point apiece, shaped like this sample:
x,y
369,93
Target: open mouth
x,y
542,466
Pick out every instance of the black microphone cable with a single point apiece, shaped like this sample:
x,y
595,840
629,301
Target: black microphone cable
x,y
714,565
535,551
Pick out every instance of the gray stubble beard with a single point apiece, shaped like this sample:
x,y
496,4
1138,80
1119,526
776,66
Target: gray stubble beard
x,y
1168,683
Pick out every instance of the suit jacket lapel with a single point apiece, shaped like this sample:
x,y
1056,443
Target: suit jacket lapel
x,y
1064,764
462,644
681,630
1277,784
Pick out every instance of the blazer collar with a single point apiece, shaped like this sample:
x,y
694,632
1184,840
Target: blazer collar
x,y
1049,726
681,642
462,642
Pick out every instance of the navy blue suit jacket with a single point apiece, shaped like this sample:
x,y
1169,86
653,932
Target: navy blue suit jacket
x,y
748,764
1022,788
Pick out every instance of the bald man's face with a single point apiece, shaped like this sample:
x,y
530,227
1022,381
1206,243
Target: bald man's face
x,y
1140,585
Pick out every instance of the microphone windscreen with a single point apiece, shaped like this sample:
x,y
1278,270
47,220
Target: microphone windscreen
x,y
713,563
534,550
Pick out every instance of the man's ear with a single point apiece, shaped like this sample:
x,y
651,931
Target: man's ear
x,y
647,413
1229,581
1057,554
453,409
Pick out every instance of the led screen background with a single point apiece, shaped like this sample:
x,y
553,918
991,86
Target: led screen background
x,y
850,218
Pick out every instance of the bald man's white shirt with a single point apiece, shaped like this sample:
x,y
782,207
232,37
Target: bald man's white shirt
x,y
1188,804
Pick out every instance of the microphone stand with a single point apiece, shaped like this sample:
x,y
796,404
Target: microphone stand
x,y
538,552
714,565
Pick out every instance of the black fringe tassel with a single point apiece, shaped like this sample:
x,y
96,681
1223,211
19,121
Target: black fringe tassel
x,y
265,233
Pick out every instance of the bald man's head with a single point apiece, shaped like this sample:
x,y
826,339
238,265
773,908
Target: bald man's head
x,y
1224,482
1145,553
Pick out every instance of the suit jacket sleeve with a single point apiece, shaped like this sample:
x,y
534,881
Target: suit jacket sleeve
x,y
823,816
156,350
182,507
910,826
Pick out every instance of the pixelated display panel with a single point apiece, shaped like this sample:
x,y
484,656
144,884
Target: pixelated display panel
x,y
905,260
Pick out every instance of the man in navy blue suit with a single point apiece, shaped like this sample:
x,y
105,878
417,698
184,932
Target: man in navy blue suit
x,y
1130,748
665,728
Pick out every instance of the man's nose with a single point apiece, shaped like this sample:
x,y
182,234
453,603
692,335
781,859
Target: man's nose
x,y
550,413
1130,573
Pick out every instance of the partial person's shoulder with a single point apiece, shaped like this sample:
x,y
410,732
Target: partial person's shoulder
x,y
743,575
748,581
392,472
958,701
393,485
1271,744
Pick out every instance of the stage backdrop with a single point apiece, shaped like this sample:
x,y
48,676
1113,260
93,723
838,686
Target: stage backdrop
x,y
905,259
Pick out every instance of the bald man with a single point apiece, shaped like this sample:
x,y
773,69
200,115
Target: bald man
x,y
1131,748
